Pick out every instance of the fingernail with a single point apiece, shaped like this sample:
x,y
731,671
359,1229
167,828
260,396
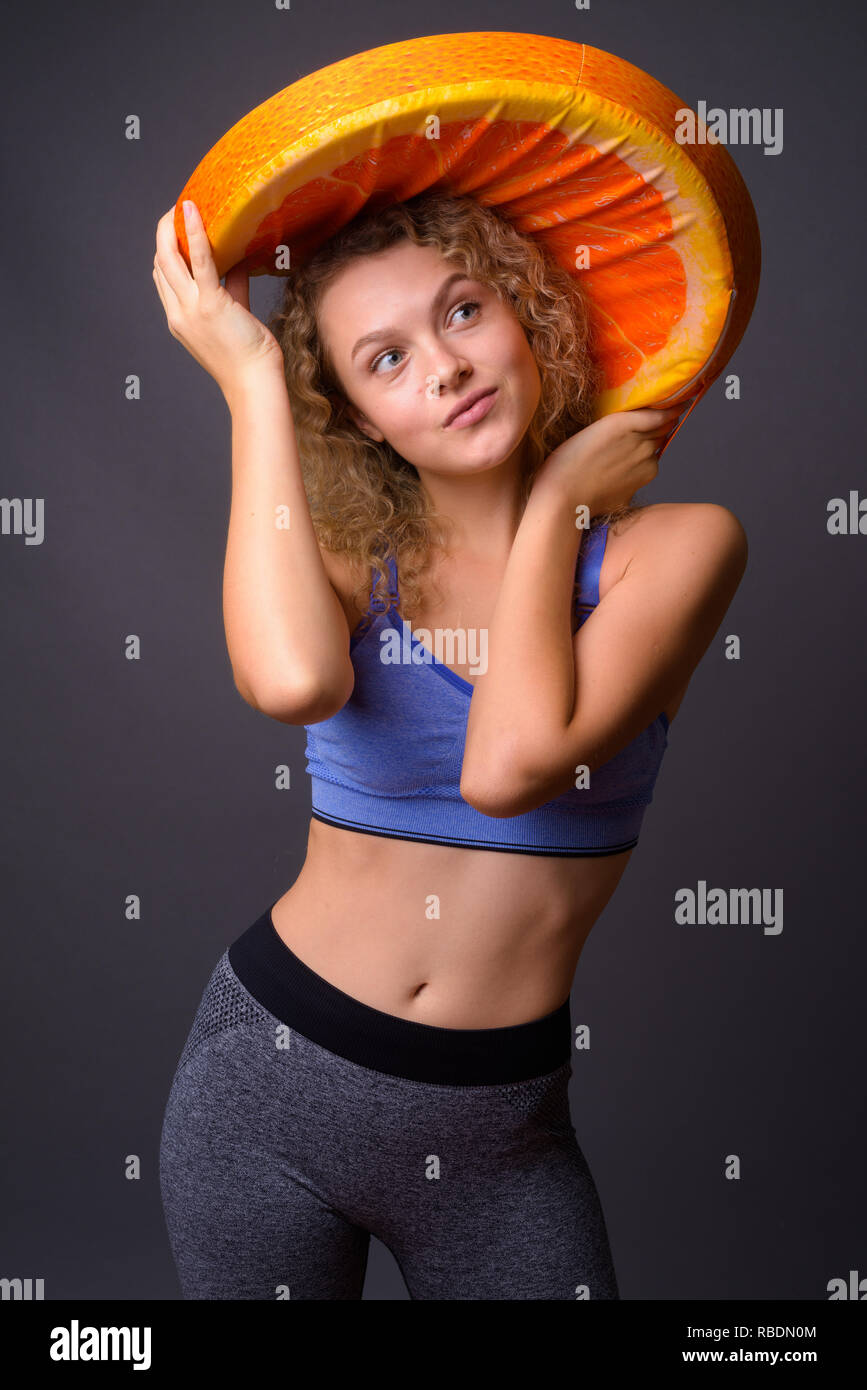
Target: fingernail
x,y
188,208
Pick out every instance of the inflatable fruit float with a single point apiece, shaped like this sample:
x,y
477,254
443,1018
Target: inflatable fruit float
x,y
577,147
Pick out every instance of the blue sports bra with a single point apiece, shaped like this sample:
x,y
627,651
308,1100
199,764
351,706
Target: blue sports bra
x,y
389,762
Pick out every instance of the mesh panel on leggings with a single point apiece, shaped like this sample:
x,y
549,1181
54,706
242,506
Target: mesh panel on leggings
x,y
546,1098
225,1004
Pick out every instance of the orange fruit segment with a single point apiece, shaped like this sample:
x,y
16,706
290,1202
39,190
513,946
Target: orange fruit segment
x,y
576,146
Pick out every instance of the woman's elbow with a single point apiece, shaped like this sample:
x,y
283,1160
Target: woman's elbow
x,y
516,779
501,794
299,700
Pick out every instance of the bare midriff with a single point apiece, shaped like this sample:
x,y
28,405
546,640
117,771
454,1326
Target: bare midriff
x,y
453,937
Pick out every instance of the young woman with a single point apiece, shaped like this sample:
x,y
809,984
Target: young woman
x,y
487,686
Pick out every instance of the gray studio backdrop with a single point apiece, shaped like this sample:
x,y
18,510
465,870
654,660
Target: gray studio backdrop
x,y
153,777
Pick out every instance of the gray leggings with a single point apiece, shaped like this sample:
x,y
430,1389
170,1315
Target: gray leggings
x,y
300,1121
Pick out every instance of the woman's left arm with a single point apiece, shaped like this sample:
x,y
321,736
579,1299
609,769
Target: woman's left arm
x,y
550,702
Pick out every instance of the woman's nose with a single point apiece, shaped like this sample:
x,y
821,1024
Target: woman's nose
x,y
446,371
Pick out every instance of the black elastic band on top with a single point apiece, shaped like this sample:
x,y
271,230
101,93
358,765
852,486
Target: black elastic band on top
x,y
303,1000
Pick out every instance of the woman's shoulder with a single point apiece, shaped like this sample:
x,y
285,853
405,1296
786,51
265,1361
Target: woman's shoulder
x,y
659,525
666,515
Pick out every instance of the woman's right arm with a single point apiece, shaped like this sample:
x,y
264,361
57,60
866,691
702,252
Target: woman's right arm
x,y
286,631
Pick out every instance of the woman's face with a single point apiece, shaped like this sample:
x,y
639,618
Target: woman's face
x,y
412,340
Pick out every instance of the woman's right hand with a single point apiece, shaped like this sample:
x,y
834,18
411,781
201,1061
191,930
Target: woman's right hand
x,y
212,321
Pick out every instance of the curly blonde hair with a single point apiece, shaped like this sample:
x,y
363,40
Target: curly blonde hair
x,y
366,501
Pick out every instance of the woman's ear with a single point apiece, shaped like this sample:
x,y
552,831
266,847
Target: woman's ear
x,y
363,423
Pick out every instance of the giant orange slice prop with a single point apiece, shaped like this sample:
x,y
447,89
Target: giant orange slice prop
x,y
575,146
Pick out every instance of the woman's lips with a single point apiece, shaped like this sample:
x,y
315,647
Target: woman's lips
x,y
475,412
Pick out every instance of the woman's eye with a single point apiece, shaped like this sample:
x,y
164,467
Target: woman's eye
x,y
468,304
392,352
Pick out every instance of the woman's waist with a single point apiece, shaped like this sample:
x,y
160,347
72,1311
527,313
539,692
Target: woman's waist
x,y
452,937
512,890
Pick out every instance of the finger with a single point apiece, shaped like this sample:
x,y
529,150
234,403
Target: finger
x,y
166,293
664,428
201,257
170,260
663,440
238,284
646,420
159,288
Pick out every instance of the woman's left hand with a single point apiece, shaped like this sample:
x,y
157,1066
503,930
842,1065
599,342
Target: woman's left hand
x,y
604,464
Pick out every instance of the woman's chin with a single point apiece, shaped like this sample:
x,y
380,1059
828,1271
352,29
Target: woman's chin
x,y
478,456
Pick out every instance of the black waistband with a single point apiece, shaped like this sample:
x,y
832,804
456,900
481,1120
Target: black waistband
x,y
303,1000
